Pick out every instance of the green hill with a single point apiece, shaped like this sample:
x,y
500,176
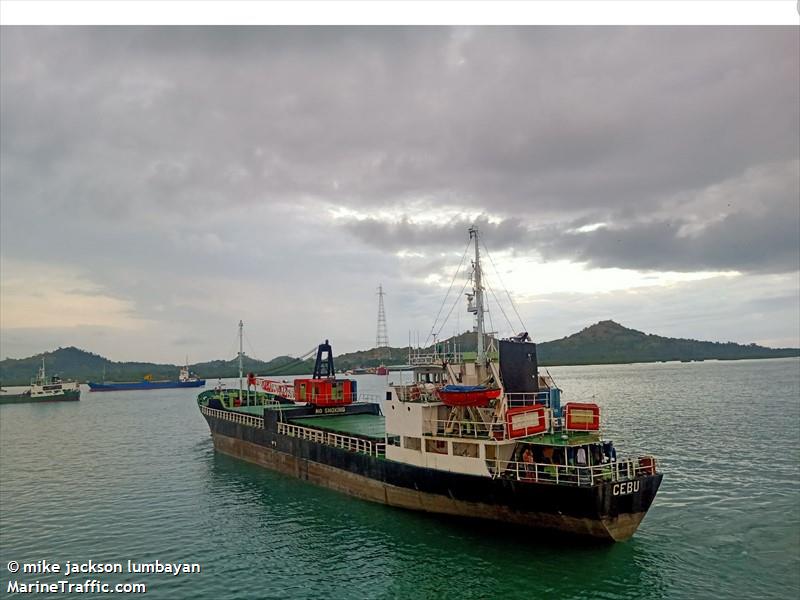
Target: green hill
x,y
606,342
609,342
78,364
602,343
74,363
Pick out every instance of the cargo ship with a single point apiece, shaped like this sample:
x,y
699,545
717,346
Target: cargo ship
x,y
484,436
43,389
185,380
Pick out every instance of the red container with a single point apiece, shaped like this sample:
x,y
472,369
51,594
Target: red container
x,y
324,392
582,416
526,420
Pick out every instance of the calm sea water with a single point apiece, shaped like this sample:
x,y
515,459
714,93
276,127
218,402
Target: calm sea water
x,y
134,475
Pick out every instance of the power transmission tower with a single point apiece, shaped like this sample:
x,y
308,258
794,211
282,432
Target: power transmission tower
x,y
382,337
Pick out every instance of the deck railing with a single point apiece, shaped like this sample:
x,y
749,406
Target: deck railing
x,y
234,416
337,440
435,358
615,471
281,388
415,392
250,399
286,390
467,429
528,398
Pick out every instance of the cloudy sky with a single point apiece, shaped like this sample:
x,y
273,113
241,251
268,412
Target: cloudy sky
x,y
159,184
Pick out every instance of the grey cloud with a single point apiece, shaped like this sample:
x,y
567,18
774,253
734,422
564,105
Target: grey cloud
x,y
768,243
749,224
156,159
450,236
527,118
752,224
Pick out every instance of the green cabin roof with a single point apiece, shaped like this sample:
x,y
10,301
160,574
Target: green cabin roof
x,y
563,438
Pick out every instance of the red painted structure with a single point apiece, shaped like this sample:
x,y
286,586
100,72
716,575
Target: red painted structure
x,y
523,421
325,392
582,416
468,397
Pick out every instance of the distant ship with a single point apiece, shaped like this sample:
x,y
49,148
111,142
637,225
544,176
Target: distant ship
x,y
44,390
485,437
185,380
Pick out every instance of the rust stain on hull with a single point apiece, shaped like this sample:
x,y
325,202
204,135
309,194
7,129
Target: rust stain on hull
x,y
619,528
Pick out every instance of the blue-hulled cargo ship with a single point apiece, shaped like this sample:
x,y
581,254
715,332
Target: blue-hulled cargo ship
x,y
485,437
185,380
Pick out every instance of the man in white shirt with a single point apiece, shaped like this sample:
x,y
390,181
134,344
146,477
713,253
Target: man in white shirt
x,y
580,461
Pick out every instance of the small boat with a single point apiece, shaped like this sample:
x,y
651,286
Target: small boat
x,y
467,395
186,379
382,370
45,390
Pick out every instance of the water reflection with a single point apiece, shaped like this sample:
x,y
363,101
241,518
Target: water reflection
x,y
134,475
340,536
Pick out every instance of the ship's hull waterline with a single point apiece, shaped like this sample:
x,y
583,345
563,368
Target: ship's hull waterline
x,y
607,511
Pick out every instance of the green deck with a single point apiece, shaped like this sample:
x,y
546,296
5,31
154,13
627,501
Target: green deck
x,y
365,425
572,438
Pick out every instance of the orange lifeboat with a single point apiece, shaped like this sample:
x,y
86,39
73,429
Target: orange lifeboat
x,y
467,395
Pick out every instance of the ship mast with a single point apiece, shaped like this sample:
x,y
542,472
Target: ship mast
x,y
241,327
478,289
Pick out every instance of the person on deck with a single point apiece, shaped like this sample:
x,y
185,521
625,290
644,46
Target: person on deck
x,y
527,460
580,460
550,469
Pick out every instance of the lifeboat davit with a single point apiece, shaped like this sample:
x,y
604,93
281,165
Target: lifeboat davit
x,y
467,395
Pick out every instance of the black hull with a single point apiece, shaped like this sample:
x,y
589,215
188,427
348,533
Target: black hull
x,y
604,511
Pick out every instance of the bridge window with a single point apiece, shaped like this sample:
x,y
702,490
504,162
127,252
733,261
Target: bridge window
x,y
412,443
465,449
436,446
